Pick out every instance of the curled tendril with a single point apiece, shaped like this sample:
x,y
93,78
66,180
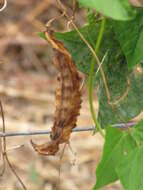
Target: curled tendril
x,y
3,5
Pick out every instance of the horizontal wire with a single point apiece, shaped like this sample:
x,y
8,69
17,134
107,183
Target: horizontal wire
x,y
44,132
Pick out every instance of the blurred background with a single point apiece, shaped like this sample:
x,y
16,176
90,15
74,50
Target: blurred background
x,y
27,91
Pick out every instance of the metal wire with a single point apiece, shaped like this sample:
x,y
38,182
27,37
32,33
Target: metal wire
x,y
78,129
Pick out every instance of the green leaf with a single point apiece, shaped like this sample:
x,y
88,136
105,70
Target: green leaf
x,y
116,9
117,145
137,132
131,105
115,69
130,37
79,51
41,35
130,170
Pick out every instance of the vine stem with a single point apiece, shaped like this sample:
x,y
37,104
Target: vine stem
x,y
91,75
97,124
95,58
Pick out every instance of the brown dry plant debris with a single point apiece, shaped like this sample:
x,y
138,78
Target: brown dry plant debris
x,y
68,98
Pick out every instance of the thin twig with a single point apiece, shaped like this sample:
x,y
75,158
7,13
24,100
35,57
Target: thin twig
x,y
4,4
45,132
4,152
3,140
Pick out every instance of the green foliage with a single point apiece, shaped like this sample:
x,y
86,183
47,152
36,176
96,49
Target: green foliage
x,y
116,158
116,9
130,170
131,105
41,35
116,143
75,45
79,51
130,37
123,69
116,72
115,68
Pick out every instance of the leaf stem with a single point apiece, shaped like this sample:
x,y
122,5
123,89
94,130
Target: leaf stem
x,y
91,74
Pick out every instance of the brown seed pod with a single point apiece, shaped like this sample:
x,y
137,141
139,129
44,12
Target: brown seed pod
x,y
68,98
